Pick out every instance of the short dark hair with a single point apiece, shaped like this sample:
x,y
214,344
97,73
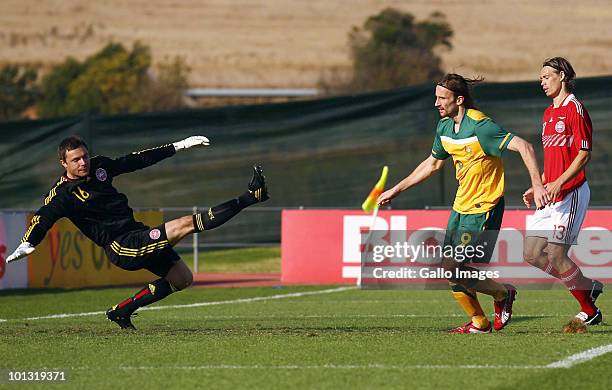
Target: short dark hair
x,y
69,143
460,86
560,64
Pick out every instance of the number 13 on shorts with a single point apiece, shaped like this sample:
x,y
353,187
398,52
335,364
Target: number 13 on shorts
x,y
559,232
560,222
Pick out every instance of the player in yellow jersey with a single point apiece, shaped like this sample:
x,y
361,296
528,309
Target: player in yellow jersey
x,y
476,144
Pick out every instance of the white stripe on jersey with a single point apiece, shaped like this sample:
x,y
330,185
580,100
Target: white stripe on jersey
x,y
585,144
458,141
558,140
572,98
578,107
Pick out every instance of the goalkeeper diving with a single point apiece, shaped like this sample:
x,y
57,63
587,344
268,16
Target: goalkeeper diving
x,y
85,195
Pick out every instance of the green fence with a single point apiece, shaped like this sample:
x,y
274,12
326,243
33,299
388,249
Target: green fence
x,y
318,153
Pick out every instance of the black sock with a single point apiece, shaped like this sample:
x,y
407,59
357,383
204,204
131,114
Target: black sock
x,y
220,214
151,293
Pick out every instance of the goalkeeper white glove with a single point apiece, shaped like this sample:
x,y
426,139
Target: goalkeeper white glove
x,y
22,250
196,140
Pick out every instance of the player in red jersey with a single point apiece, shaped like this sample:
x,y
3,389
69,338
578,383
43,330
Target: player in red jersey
x,y
567,142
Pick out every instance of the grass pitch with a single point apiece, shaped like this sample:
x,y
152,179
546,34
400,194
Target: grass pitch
x,y
260,338
255,259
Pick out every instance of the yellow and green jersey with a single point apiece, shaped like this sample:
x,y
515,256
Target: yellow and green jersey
x,y
476,150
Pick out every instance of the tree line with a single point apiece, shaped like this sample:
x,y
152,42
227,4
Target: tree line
x,y
390,50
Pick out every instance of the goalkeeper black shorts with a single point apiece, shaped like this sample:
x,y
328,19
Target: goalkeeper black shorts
x,y
143,249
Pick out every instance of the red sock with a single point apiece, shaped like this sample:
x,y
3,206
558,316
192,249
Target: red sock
x,y
577,285
149,294
549,269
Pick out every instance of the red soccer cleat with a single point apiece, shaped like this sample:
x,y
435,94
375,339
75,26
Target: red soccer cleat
x,y
471,328
503,309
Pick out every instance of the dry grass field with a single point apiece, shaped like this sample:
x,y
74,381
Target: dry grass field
x,y
289,43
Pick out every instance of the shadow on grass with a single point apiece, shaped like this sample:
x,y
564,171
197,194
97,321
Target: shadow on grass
x,y
31,291
36,291
525,319
144,329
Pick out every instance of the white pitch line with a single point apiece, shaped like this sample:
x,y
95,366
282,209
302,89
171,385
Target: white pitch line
x,y
568,362
199,304
248,300
64,315
581,357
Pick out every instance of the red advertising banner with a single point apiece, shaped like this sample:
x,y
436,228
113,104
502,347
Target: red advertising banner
x,y
14,275
325,246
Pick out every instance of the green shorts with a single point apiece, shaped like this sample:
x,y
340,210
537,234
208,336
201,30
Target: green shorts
x,y
478,231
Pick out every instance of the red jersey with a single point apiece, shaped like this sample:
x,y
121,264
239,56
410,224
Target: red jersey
x,y
565,130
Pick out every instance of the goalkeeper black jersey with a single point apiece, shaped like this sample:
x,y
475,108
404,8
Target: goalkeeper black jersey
x,y
92,203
